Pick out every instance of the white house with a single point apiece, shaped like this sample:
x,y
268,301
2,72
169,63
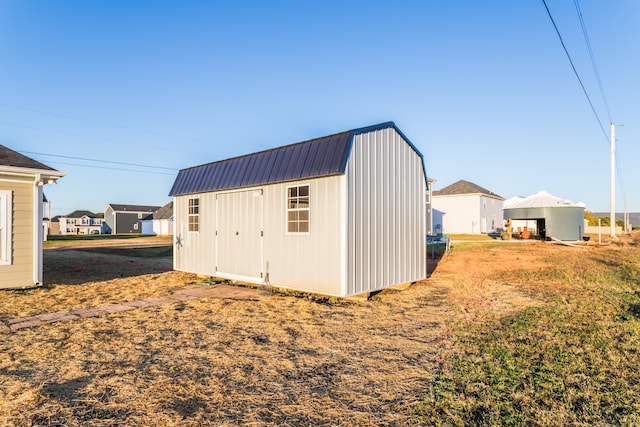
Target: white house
x,y
338,215
466,208
80,222
160,223
21,228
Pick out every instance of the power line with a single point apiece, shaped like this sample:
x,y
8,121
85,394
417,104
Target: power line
x,y
593,60
99,161
575,71
106,167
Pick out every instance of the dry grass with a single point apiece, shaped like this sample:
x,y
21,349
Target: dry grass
x,y
283,359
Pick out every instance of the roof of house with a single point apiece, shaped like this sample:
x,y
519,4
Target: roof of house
x,y
165,212
464,187
133,208
80,214
314,158
12,158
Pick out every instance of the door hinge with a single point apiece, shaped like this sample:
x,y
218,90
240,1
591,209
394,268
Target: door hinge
x,y
261,233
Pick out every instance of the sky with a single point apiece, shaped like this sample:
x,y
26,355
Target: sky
x,y
120,95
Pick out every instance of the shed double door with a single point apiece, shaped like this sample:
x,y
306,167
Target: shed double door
x,y
239,218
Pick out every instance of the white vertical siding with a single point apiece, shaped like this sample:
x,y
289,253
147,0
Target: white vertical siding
x,y
194,251
386,212
310,262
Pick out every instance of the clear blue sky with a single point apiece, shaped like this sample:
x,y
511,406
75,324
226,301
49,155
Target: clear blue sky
x,y
483,89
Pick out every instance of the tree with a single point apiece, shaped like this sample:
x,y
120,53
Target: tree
x,y
589,216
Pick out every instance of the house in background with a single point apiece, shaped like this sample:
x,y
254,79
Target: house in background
x,y
340,215
160,223
466,208
21,227
126,219
80,222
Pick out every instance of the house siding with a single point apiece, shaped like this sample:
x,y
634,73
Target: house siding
x,y
386,212
20,272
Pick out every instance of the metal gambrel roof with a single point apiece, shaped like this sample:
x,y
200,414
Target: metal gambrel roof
x,y
315,158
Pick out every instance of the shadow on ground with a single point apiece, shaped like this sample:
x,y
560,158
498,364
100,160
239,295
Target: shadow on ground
x,y
83,265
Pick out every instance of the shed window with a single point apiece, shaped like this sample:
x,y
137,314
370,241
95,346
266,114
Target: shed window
x,y
298,209
5,227
194,214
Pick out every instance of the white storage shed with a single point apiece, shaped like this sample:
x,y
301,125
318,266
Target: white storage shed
x,y
339,215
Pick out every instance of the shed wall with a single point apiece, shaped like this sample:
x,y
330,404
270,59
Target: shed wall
x,y
386,212
20,273
307,262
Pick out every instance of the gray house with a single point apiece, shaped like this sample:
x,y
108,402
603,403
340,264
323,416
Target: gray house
x,y
126,219
339,215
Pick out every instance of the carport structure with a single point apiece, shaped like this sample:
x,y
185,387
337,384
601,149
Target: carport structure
x,y
555,217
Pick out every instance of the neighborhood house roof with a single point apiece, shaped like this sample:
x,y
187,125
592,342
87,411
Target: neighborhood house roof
x,y
464,187
12,158
133,208
80,214
542,199
315,158
165,212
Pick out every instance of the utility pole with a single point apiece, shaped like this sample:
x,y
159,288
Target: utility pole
x,y
612,217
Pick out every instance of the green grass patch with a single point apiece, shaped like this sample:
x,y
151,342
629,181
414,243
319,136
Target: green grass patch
x,y
573,360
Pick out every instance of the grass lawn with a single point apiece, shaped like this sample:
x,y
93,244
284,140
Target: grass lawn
x,y
524,335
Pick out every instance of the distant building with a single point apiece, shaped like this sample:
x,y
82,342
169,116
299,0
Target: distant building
x,y
555,218
160,223
80,222
466,208
127,219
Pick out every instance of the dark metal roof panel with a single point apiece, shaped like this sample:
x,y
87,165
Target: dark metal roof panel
x,y
315,158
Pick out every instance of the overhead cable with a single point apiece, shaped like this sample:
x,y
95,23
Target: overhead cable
x,y
593,60
576,71
100,161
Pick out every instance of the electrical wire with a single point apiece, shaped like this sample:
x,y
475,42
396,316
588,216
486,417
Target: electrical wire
x,y
593,60
55,162
576,71
100,161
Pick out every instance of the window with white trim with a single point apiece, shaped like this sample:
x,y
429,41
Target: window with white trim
x,y
5,227
298,209
193,214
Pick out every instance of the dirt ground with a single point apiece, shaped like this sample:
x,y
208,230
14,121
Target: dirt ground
x,y
284,359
